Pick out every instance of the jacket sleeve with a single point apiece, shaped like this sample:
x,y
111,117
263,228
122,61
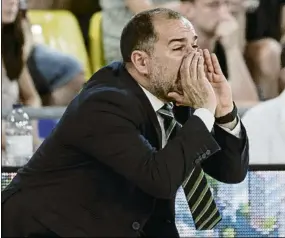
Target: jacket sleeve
x,y
108,131
230,164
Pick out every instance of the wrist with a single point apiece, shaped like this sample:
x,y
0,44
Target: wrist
x,y
223,111
226,115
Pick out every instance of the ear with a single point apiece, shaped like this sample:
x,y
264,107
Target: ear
x,y
140,60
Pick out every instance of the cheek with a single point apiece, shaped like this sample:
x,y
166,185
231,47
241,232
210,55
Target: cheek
x,y
168,65
172,72
175,60
9,15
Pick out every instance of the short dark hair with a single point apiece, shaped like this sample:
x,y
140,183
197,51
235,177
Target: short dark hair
x,y
140,34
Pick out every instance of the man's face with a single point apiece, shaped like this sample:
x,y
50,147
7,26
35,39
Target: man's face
x,y
176,39
207,14
9,10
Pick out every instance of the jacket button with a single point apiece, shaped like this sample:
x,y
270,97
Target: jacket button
x,y
208,152
204,156
136,226
198,160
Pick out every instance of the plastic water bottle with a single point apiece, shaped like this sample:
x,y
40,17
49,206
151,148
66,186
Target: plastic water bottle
x,y
19,139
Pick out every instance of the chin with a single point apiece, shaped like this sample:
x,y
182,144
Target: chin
x,y
6,22
8,19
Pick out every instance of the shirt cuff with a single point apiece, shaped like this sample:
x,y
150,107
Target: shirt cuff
x,y
236,131
206,116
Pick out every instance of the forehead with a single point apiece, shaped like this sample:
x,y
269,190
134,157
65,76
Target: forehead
x,y
169,28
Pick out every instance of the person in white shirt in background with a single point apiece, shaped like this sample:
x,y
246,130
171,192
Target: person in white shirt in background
x,y
265,125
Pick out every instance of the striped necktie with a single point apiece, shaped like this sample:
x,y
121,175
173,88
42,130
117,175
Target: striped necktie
x,y
196,188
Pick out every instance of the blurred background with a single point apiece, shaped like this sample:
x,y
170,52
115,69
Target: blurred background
x,y
50,48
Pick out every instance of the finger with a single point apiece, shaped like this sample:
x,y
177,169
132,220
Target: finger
x,y
209,76
216,64
176,97
184,70
202,54
203,76
201,70
208,60
194,67
205,65
205,68
200,51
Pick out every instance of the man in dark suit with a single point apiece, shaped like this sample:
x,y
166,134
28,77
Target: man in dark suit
x,y
115,161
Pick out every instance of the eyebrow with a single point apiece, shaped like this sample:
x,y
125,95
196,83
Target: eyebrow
x,y
183,39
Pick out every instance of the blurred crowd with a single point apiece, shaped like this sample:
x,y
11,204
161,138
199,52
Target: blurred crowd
x,y
248,37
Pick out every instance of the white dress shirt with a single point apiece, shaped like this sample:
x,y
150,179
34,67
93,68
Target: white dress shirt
x,y
265,126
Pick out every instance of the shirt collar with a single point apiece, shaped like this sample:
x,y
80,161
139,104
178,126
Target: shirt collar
x,y
154,101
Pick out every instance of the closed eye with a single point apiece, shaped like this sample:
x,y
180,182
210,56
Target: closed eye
x,y
179,48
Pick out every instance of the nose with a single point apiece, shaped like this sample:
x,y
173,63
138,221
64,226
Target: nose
x,y
190,49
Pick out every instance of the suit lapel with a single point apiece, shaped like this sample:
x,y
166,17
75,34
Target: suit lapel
x,y
136,89
181,115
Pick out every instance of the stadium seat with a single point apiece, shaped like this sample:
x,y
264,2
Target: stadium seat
x,y
96,42
60,30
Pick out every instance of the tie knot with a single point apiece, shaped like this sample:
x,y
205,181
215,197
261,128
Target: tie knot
x,y
166,110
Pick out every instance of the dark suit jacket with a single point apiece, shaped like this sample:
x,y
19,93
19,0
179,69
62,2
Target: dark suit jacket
x,y
102,171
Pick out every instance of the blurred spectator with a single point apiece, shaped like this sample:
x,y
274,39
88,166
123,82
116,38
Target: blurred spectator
x,y
56,76
116,14
17,84
263,20
218,31
263,50
265,125
237,9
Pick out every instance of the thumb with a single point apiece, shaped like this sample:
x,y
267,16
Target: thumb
x,y
175,97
